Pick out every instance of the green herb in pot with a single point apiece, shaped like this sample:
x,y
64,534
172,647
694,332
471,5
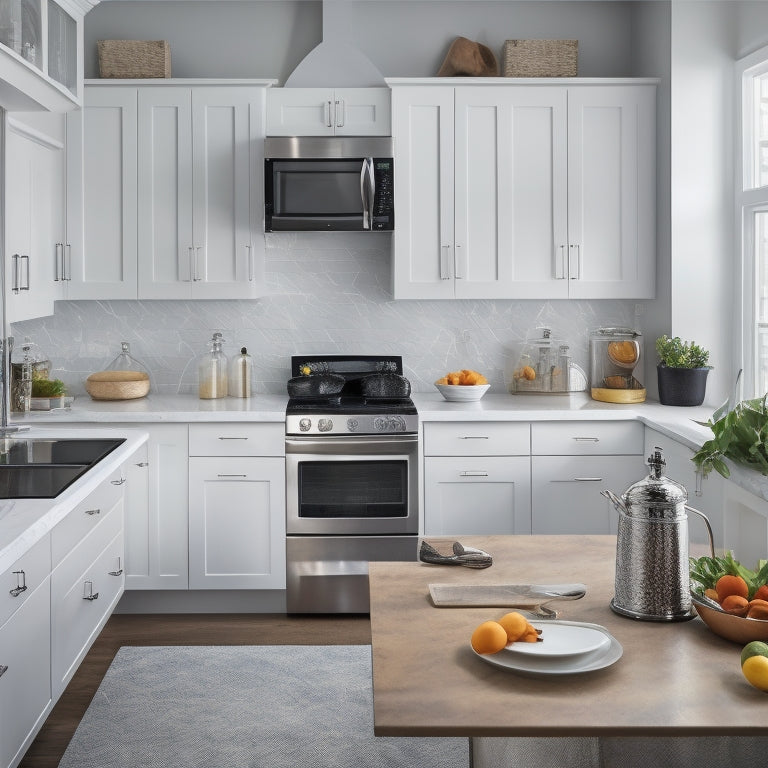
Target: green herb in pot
x,y
676,353
48,388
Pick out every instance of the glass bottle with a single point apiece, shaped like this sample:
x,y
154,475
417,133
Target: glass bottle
x,y
212,371
27,364
241,374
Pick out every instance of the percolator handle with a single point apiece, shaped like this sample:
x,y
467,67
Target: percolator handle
x,y
709,528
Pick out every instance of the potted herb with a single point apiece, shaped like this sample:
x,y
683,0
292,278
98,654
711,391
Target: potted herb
x,y
682,371
50,390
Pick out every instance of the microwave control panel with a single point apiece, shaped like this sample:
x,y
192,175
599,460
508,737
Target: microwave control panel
x,y
383,202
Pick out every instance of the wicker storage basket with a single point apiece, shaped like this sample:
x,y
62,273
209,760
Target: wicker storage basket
x,y
117,385
541,58
134,58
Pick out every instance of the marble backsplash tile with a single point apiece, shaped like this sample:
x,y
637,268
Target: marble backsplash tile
x,y
325,294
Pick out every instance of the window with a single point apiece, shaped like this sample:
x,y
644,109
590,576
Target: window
x,y
752,212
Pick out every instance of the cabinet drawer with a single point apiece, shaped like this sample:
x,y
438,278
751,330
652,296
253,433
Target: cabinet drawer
x,y
586,438
86,516
468,438
237,439
29,571
84,591
25,684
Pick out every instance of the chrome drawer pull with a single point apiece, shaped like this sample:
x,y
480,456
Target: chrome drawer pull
x,y
119,571
221,475
142,464
473,473
587,439
3,669
474,437
21,584
233,438
579,480
118,482
88,593
92,511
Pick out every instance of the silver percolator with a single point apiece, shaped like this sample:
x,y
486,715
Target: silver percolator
x,y
652,568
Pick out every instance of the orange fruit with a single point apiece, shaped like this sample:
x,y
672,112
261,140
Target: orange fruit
x,y
489,637
731,585
735,604
761,593
515,625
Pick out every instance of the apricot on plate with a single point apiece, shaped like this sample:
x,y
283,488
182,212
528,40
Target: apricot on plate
x,y
735,604
489,637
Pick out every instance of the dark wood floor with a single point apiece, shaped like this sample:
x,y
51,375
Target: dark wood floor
x,y
180,629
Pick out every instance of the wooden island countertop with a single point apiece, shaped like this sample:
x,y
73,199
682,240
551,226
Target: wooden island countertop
x,y
673,679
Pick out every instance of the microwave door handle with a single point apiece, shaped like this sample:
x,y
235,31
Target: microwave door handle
x,y
363,193
371,191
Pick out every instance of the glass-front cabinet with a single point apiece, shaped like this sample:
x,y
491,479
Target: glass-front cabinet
x,y
41,63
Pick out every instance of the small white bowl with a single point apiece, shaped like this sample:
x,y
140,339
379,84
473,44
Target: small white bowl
x,y
462,393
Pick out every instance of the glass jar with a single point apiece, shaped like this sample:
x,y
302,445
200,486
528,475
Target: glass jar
x,y
616,365
241,374
213,370
125,361
28,363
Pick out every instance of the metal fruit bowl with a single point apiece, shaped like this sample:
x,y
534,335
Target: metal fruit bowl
x,y
462,393
736,628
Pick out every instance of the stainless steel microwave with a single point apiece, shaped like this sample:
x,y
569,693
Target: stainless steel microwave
x,y
327,184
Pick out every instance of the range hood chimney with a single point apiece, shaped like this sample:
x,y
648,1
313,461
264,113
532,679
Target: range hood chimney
x,y
335,62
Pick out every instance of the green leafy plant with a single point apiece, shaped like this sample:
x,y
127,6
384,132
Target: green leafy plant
x,y
705,571
676,353
48,388
741,435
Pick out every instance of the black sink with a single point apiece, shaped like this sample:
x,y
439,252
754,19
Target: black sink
x,y
39,468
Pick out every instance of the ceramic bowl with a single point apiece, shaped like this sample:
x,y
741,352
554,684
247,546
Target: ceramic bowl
x,y
462,393
735,628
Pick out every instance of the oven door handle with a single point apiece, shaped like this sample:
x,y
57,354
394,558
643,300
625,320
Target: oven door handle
x,y
345,444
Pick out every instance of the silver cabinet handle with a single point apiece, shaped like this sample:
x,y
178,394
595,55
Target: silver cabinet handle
x,y
119,571
473,473
340,113
142,464
328,121
232,438
579,480
445,255
191,268
224,475
25,258
560,263
92,511
88,593
15,283
474,437
249,249
118,482
3,669
21,584
587,439
196,261
460,260
575,273
58,263
67,263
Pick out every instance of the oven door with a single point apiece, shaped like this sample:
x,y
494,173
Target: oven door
x,y
360,485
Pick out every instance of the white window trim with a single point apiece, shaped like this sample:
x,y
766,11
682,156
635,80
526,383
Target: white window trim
x,y
747,202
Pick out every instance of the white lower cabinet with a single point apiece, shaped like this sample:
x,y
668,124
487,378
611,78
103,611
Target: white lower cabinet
x,y
704,493
571,463
25,651
745,524
477,478
237,506
86,584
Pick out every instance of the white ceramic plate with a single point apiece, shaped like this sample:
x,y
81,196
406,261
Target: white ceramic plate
x,y
561,640
546,666
462,393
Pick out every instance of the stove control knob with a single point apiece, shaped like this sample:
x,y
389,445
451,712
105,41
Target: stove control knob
x,y
325,425
305,424
398,423
380,424
352,425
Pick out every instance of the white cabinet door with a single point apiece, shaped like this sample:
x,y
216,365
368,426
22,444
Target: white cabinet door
x,y
745,524
100,250
25,673
423,240
199,199
34,171
328,112
477,495
704,493
611,192
566,492
236,523
156,527
511,192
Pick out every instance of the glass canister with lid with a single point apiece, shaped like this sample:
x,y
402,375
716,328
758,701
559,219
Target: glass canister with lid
x,y
28,363
212,371
125,361
615,369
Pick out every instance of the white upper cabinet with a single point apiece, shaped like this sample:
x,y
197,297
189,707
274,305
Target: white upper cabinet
x,y
524,191
41,54
34,204
199,196
328,112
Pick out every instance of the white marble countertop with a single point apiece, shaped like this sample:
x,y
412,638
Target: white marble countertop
x,y
23,522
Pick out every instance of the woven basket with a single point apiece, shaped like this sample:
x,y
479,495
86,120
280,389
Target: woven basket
x,y
134,58
117,385
541,58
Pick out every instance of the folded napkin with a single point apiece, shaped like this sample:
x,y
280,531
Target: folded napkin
x,y
467,556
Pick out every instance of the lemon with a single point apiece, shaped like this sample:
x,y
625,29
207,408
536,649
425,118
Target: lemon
x,y
754,664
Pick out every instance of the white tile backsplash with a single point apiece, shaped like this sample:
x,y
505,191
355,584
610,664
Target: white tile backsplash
x,y
325,294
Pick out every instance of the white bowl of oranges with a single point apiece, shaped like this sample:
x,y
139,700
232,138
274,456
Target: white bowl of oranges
x,y
463,386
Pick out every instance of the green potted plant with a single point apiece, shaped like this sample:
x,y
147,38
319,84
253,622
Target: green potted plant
x,y
50,390
682,371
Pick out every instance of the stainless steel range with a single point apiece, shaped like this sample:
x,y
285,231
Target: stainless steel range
x,y
351,478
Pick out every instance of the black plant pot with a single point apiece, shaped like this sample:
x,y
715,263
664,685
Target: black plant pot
x,y
682,386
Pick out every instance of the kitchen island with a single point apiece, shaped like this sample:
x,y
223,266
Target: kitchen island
x,y
673,679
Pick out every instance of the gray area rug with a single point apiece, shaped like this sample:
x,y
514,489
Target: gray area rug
x,y
244,707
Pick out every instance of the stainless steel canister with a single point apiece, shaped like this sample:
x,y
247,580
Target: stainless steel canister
x,y
652,568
